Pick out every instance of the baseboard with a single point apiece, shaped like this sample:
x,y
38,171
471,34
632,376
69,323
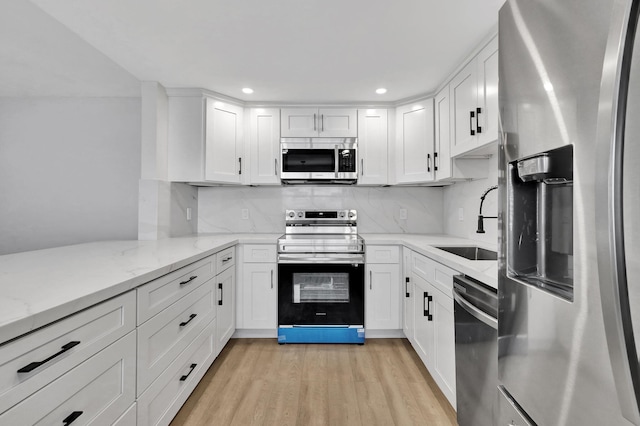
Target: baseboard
x,y
255,333
383,334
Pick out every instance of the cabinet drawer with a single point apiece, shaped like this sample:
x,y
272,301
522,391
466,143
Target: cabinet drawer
x,y
259,253
383,254
225,259
163,337
443,278
96,392
94,329
156,295
163,399
422,266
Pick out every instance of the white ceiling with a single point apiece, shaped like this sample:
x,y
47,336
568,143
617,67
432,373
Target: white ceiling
x,y
286,50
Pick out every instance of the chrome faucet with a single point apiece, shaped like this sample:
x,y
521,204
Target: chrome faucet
x,y
480,217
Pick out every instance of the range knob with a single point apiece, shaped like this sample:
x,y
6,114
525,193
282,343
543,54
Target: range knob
x,y
352,214
299,214
341,215
291,214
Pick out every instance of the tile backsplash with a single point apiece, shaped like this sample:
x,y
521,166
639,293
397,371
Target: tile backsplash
x,y
220,209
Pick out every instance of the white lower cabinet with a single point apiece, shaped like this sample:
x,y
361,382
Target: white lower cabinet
x,y
164,336
164,397
226,301
433,321
382,288
129,418
258,290
95,392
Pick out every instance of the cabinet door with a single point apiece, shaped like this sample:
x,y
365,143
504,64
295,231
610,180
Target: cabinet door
x,y
463,103
260,303
382,297
442,154
265,146
337,123
226,314
488,93
414,152
407,295
372,146
423,326
223,142
299,122
444,353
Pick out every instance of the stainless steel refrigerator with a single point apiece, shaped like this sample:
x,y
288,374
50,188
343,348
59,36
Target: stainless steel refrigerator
x,y
569,266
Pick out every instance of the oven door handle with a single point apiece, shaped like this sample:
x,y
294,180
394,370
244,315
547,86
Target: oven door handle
x,y
475,312
329,258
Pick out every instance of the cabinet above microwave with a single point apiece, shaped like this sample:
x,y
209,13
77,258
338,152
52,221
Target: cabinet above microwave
x,y
319,122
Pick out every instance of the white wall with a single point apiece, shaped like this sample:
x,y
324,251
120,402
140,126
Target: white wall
x,y
220,208
466,195
69,171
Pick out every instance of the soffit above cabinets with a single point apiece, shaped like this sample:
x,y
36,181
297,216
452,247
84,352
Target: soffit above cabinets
x,y
286,50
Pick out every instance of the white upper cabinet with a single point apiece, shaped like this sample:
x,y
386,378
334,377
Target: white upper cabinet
x,y
205,140
414,143
372,147
264,140
323,122
445,167
223,142
474,103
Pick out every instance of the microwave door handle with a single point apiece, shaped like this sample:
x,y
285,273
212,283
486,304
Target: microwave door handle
x,y
337,168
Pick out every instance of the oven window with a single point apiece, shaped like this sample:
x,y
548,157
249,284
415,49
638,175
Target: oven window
x,y
325,287
309,160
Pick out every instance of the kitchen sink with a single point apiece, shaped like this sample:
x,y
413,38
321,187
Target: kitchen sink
x,y
471,252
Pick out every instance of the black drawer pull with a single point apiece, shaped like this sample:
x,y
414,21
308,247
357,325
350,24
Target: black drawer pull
x,y
472,114
220,287
191,317
32,366
406,287
427,312
191,278
226,259
478,128
183,378
72,418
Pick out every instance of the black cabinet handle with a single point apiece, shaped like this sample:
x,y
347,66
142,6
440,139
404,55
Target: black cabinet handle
x,y
32,366
191,317
471,115
426,299
183,378
478,128
239,165
220,287
428,162
406,287
72,417
226,259
435,163
191,278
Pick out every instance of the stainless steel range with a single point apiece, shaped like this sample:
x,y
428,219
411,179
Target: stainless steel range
x,y
321,278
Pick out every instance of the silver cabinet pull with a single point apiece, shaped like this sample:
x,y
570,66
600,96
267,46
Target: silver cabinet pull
x,y
370,280
322,123
272,278
362,167
314,123
275,166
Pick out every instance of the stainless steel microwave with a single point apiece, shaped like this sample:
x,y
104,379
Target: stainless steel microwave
x,y
319,160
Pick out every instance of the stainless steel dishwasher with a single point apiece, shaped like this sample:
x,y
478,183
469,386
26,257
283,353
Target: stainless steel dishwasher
x,y
476,325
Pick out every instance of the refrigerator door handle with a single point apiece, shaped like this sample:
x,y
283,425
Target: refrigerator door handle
x,y
614,290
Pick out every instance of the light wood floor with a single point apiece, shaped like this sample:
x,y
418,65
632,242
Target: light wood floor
x,y
258,382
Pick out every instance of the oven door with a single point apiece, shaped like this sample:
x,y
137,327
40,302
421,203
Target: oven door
x,y
320,294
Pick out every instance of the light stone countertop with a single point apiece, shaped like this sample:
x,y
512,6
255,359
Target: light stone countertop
x,y
42,286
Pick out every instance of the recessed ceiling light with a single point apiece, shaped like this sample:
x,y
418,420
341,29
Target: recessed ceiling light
x,y
381,91
247,90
